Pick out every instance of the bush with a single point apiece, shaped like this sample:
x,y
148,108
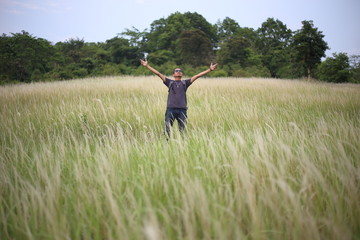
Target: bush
x,y
252,72
218,73
65,74
80,72
110,69
356,75
335,69
241,73
141,71
160,57
125,69
258,71
36,75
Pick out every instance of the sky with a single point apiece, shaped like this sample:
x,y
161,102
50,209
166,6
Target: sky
x,y
100,20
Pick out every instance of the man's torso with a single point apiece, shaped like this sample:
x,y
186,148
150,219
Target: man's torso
x,y
177,93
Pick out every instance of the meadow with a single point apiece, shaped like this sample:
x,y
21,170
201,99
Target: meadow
x,y
261,159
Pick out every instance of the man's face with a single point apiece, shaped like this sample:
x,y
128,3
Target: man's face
x,y
178,72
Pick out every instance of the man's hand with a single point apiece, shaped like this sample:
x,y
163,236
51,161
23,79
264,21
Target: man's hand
x,y
213,66
143,62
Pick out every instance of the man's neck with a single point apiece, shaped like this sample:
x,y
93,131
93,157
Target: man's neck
x,y
177,78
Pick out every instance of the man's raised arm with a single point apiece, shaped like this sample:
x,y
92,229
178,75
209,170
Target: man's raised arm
x,y
145,64
211,68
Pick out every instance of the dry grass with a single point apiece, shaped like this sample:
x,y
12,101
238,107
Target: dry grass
x,y
262,159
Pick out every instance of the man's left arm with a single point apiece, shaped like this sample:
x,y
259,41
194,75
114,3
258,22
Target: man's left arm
x,y
211,68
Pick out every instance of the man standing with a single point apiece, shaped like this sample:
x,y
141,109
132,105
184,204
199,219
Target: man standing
x,y
176,102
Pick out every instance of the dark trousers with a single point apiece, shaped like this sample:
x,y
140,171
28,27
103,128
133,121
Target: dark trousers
x,y
175,113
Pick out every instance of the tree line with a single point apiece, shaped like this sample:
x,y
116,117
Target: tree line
x,y
181,39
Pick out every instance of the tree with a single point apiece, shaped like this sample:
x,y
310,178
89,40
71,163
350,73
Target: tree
x,y
309,47
194,48
21,54
335,69
354,61
197,21
234,51
273,34
71,49
136,38
227,28
161,57
121,51
274,38
165,31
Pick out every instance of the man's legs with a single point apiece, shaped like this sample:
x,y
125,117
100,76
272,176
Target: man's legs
x,y
181,118
169,120
171,114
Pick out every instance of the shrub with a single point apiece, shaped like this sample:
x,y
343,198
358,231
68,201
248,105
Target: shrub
x,y
335,69
218,73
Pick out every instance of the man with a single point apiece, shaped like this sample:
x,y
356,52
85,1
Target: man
x,y
176,102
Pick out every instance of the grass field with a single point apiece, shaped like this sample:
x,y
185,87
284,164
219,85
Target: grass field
x,y
261,159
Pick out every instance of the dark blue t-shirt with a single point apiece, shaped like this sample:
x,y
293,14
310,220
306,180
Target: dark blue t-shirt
x,y
177,93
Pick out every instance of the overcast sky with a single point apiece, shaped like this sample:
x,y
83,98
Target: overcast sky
x,y
100,20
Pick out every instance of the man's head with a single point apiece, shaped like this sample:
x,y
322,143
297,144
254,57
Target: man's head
x,y
178,73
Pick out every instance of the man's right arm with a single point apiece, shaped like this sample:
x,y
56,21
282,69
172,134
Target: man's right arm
x,y
145,64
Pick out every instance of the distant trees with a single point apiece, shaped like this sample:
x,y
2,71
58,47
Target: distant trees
x,y
309,46
194,47
24,57
121,51
354,62
165,31
235,50
185,39
227,28
273,44
335,69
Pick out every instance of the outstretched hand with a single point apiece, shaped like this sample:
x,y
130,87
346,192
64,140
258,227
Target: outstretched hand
x,y
213,66
143,62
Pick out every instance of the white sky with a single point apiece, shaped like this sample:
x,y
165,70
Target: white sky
x,y
98,21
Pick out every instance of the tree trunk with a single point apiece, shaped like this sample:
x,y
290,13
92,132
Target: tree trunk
x,y
308,74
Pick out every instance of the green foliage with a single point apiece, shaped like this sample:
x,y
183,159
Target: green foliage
x,y
194,48
354,62
190,71
21,54
309,46
168,68
136,38
273,35
252,72
63,74
71,49
181,39
111,69
161,56
218,73
227,28
121,51
80,72
335,69
165,32
274,39
235,50
36,75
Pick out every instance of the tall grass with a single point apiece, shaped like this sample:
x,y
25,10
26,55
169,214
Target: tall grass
x,y
261,159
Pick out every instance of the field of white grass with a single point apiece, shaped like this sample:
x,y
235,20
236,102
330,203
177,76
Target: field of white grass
x,y
261,159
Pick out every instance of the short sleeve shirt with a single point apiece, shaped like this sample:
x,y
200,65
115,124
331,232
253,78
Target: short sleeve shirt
x,y
177,93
